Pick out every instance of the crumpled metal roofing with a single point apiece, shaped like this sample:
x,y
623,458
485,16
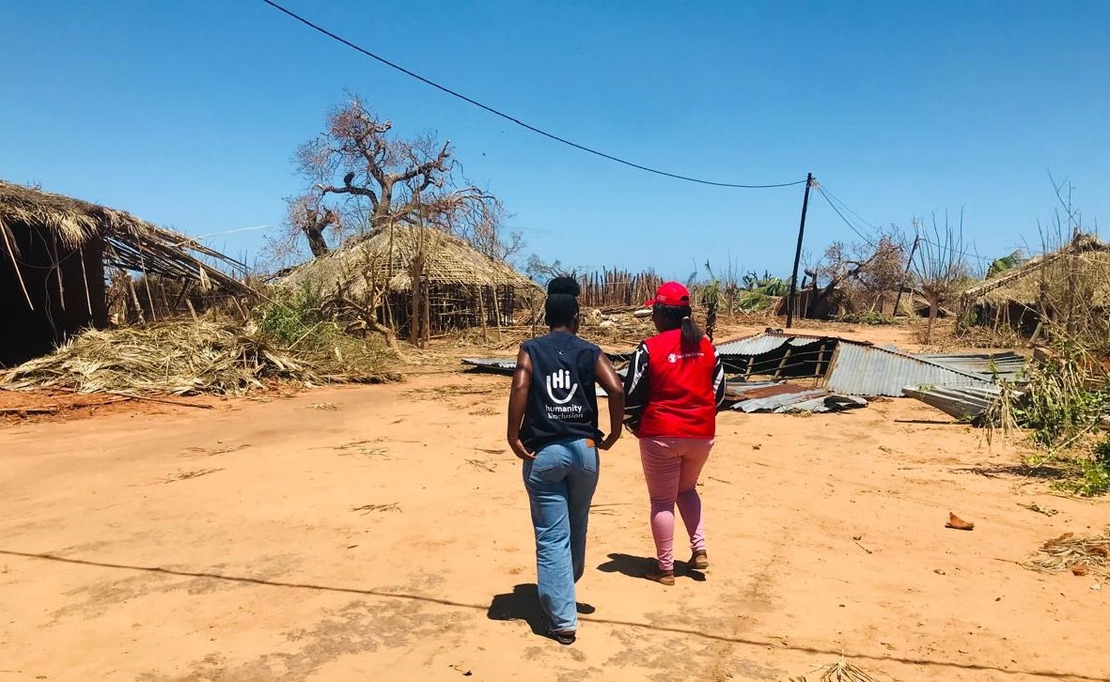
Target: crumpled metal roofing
x,y
764,343
1006,366
966,402
499,365
870,371
785,397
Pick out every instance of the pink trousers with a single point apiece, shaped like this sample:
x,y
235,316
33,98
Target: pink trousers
x,y
671,469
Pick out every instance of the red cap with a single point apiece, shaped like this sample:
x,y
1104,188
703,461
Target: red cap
x,y
671,293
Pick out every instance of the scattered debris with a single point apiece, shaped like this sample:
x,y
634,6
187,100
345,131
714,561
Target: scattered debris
x,y
958,523
837,365
1079,570
1007,366
367,508
219,450
328,407
193,473
962,402
493,365
481,464
175,358
863,548
361,447
784,397
841,671
1047,511
1068,552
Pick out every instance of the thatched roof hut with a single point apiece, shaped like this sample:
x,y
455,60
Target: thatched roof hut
x,y
1075,277
462,287
54,251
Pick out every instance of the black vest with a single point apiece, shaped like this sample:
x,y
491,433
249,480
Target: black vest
x,y
562,400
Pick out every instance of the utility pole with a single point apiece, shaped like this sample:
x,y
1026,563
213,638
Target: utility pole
x,y
909,264
790,303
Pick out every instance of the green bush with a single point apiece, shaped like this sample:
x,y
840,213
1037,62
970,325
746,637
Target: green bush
x,y
873,317
1058,404
299,323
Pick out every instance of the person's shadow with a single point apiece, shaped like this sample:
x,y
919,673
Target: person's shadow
x,y
636,566
523,603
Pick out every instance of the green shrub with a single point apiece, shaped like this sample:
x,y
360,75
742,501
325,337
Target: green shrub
x,y
299,323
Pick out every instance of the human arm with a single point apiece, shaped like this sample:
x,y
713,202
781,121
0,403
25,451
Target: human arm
x,y
719,383
518,400
607,377
636,388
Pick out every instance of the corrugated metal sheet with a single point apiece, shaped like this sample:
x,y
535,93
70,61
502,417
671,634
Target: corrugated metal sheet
x,y
742,390
498,365
870,371
829,403
764,343
781,402
967,402
1006,366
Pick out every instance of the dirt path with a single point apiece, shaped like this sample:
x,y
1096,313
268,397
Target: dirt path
x,y
382,533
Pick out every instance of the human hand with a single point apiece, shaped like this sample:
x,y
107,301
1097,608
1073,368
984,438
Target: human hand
x,y
610,440
519,450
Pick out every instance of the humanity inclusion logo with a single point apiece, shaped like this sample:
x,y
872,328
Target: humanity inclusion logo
x,y
560,380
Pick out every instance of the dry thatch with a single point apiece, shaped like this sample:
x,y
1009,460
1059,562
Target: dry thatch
x,y
383,261
1086,258
1080,555
841,671
129,243
177,358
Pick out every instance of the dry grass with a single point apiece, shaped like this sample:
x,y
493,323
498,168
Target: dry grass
x,y
175,358
841,671
1080,555
379,508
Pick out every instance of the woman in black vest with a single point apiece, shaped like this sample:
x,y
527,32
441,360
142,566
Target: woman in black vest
x,y
553,429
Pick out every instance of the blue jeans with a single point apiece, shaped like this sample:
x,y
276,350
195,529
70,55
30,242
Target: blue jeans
x,y
561,481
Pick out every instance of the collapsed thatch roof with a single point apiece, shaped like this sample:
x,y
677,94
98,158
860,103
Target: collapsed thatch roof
x,y
1086,256
129,243
383,261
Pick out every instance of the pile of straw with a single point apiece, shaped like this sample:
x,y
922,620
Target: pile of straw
x,y
841,671
1076,554
176,358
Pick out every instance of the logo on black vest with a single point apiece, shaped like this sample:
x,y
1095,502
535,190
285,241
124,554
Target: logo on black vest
x,y
559,381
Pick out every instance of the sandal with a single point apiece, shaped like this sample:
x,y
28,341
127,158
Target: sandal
x,y
699,560
564,637
660,576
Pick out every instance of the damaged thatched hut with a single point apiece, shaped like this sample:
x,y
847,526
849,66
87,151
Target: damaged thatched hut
x,y
55,255
1069,287
456,287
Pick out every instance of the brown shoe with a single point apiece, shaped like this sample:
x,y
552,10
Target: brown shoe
x,y
699,560
659,575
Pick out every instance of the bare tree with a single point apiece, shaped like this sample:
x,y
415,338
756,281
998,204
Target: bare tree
x,y
364,179
940,266
862,274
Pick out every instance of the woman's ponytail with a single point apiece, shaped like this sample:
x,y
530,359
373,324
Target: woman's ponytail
x,y
691,334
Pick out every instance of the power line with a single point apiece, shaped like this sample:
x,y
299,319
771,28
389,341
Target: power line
x,y
513,119
849,210
846,221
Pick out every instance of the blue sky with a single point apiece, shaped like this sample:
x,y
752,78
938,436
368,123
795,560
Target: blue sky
x,y
187,114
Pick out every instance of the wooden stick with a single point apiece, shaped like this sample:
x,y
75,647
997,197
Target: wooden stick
x,y
15,264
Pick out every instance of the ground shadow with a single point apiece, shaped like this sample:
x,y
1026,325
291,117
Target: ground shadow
x,y
619,559
1018,470
636,566
523,603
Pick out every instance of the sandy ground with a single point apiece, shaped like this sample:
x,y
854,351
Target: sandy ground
x,y
382,533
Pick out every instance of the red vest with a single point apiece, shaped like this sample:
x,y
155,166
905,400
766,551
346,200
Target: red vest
x,y
681,401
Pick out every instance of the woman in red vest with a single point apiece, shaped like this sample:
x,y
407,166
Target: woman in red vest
x,y
674,385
